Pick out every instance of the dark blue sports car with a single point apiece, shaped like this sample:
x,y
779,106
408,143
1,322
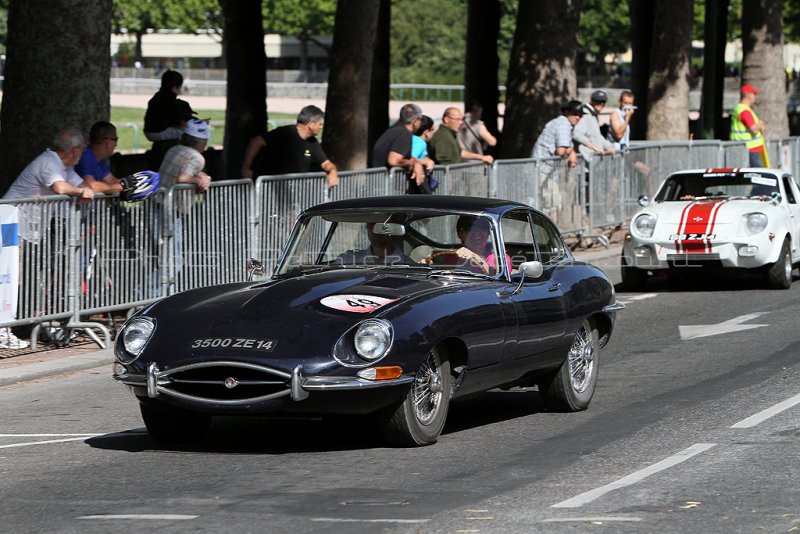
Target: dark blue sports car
x,y
389,306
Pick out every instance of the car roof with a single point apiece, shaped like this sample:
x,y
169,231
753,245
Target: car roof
x,y
732,170
432,202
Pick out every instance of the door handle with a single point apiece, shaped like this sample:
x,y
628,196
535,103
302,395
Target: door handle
x,y
554,287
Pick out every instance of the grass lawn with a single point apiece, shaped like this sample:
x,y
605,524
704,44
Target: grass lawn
x,y
130,124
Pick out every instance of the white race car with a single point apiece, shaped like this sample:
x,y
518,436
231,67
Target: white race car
x,y
717,218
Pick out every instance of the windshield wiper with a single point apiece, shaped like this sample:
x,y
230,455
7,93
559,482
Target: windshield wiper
x,y
459,272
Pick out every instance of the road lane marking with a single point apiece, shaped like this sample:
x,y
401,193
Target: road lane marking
x,y
725,327
156,517
763,415
635,477
45,442
597,519
626,300
43,435
352,520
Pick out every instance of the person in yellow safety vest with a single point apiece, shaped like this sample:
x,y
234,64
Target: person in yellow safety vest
x,y
745,126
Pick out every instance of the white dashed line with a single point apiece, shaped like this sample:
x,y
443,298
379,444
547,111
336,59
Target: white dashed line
x,y
598,519
762,416
348,520
155,517
633,478
45,442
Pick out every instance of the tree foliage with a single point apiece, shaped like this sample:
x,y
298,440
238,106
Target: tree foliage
x,y
303,19
604,30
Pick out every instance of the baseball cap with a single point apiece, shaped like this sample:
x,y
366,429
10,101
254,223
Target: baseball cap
x,y
600,96
747,88
573,106
198,128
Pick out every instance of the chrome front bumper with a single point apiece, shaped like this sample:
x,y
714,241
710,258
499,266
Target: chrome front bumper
x,y
297,385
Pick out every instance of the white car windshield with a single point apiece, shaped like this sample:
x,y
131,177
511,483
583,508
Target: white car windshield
x,y
682,187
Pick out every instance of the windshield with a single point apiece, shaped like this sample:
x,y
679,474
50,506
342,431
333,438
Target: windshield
x,y
451,242
724,184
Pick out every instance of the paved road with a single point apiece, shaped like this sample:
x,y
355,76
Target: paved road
x,y
690,431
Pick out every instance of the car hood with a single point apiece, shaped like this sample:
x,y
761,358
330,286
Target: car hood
x,y
712,216
300,315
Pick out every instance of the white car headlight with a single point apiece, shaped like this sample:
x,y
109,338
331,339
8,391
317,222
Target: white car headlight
x,y
373,339
644,225
135,336
756,223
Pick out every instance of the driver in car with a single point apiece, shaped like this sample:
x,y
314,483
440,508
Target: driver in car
x,y
384,249
477,254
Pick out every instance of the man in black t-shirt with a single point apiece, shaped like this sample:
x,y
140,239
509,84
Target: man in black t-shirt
x,y
166,117
393,148
290,149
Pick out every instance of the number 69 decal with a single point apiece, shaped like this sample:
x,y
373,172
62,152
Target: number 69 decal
x,y
355,303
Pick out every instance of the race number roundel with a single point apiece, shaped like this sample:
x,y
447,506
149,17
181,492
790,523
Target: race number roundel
x,y
355,303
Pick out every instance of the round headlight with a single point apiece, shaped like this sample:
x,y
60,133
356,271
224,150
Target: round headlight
x,y
645,224
135,336
373,339
756,223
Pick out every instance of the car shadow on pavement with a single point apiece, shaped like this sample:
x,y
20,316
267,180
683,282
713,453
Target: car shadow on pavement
x,y
266,435
697,282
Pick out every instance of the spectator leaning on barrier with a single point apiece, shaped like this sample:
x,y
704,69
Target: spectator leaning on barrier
x,y
52,172
473,135
184,163
92,166
555,140
444,147
393,147
746,126
586,133
290,149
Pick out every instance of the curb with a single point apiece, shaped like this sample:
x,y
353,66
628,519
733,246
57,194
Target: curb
x,y
25,373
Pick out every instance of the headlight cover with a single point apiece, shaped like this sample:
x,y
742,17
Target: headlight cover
x,y
135,336
373,339
756,223
644,225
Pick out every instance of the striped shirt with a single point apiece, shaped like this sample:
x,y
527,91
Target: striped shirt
x,y
556,133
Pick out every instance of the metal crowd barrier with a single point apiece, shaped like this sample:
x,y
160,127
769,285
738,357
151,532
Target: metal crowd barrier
x,y
77,261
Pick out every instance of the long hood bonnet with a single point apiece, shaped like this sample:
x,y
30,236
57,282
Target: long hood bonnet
x,y
305,310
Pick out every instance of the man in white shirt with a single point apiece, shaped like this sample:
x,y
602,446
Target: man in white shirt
x,y
52,172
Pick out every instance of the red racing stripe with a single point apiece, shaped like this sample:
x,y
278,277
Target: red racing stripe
x,y
697,220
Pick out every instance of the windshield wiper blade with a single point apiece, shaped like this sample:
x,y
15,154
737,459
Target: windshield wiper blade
x,y
459,272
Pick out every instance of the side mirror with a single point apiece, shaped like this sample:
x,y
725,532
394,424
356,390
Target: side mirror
x,y
532,269
643,201
254,268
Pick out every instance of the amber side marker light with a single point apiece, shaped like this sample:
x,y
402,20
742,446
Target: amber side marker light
x,y
381,373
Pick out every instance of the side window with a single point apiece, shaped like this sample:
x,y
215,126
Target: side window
x,y
518,238
548,240
787,186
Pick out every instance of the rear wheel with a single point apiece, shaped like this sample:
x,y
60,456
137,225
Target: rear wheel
x,y
172,425
420,417
572,387
633,278
779,274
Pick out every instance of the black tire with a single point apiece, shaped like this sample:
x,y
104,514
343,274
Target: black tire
x,y
633,278
572,387
419,418
172,426
779,274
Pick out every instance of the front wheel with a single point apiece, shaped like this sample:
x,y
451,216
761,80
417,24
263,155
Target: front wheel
x,y
420,417
572,387
779,274
172,425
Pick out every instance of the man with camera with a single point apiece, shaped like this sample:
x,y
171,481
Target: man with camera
x,y
619,132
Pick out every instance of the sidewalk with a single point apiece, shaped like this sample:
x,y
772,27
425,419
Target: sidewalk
x,y
20,366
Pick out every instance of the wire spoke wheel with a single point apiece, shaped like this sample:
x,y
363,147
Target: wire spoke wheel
x,y
581,360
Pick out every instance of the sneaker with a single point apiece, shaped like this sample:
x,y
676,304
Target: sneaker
x,y
9,341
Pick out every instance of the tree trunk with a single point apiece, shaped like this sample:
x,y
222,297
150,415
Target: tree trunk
x,y
246,114
349,82
381,72
642,13
668,89
762,63
481,62
541,71
716,31
54,82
